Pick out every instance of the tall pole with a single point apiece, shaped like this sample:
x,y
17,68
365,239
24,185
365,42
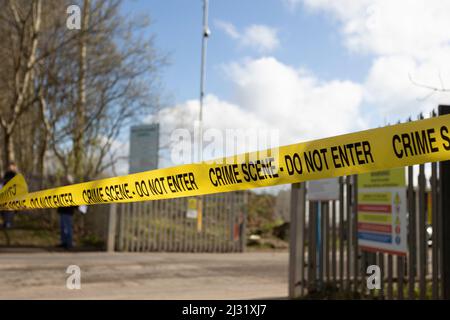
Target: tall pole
x,y
205,36
444,177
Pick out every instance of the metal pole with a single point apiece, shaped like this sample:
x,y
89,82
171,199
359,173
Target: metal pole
x,y
319,251
444,177
205,35
296,240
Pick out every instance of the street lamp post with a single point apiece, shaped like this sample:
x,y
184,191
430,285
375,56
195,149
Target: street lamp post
x,y
205,36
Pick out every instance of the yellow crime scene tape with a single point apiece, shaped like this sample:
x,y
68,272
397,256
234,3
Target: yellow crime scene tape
x,y
394,146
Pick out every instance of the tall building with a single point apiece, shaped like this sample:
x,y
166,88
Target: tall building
x,y
144,147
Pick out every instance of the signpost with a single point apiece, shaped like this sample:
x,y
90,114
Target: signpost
x,y
382,221
321,190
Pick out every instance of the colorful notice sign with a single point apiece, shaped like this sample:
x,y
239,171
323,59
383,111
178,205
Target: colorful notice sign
x,y
382,211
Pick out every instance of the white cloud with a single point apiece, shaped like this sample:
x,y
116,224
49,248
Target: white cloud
x,y
389,86
228,28
295,101
408,40
385,27
259,37
270,95
291,4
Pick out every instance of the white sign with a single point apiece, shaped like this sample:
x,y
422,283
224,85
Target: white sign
x,y
144,146
322,190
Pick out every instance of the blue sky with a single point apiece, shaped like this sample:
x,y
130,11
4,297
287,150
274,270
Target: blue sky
x,y
306,40
304,69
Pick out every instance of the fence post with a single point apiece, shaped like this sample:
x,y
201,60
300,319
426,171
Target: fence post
x,y
296,244
110,243
444,177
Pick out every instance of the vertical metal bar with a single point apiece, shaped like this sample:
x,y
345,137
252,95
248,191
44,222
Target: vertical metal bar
x,y
226,225
136,226
320,244
213,199
220,222
390,291
341,233
362,285
176,230
166,223
127,226
154,207
411,235
296,240
444,208
382,270
121,226
244,226
185,226
303,271
181,217
205,222
293,242
355,230
308,244
170,217
147,226
435,228
160,213
333,242
144,227
348,231
422,239
327,240
132,226
139,226
312,265
400,271
231,222
223,220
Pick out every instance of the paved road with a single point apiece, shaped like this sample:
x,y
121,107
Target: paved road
x,y
145,276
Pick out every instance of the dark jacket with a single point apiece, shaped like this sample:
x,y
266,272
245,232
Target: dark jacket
x,y
8,176
67,210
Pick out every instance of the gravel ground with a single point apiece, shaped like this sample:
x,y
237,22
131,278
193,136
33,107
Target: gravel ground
x,y
42,275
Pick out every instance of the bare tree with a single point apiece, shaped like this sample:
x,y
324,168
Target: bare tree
x,y
77,90
22,23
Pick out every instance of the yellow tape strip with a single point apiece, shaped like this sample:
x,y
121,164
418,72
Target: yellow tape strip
x,y
371,150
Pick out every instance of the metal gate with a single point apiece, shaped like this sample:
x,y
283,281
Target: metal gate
x,y
163,225
340,266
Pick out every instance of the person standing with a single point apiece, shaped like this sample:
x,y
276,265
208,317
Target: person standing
x,y
66,222
8,216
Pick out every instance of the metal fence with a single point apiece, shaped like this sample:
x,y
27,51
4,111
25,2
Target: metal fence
x,y
163,225
340,265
